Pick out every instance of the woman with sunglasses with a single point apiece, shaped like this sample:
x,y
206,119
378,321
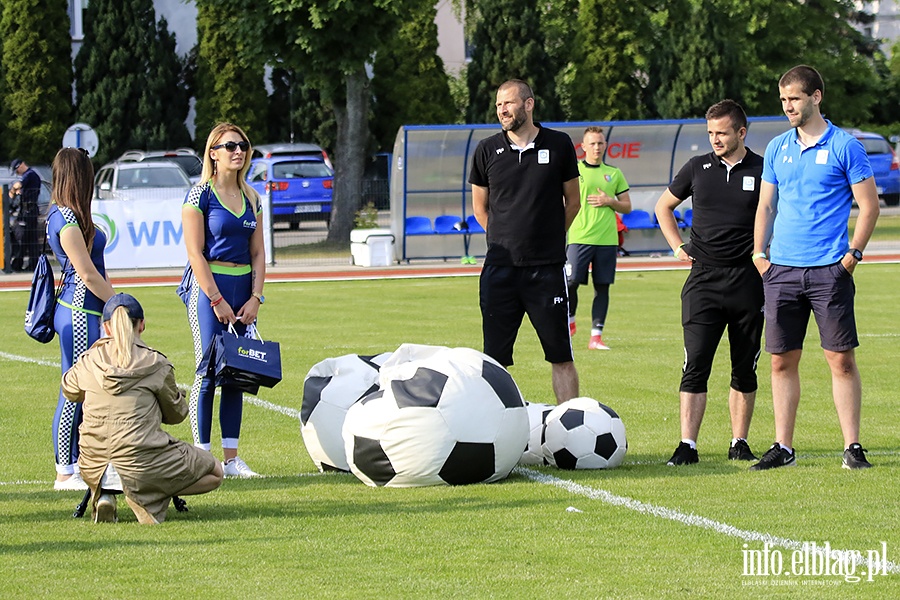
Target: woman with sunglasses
x,y
222,222
78,247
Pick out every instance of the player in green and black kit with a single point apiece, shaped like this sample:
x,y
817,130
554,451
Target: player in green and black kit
x,y
594,237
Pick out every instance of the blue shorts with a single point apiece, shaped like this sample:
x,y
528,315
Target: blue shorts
x,y
793,292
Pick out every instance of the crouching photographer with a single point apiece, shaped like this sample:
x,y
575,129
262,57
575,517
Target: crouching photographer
x,y
128,390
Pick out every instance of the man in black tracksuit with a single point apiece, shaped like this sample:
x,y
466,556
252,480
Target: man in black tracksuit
x,y
724,289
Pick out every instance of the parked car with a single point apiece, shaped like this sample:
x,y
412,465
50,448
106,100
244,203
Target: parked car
x,y
300,186
185,158
885,164
141,181
299,149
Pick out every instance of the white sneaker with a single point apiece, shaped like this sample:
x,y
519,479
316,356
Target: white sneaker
x,y
238,468
73,484
106,509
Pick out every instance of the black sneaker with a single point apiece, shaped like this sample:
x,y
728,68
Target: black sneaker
x,y
684,455
855,458
775,457
741,451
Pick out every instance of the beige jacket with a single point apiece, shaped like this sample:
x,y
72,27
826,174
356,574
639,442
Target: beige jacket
x,y
123,412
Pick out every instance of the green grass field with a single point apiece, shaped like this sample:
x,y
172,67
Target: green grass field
x,y
644,530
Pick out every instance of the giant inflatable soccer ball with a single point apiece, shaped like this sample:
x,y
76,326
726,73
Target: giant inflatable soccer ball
x,y
537,415
442,416
584,434
330,388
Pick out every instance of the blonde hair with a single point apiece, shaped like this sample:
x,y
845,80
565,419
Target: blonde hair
x,y
122,329
73,188
209,166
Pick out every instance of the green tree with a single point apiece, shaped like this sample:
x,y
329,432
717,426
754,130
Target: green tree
x,y
509,43
36,83
229,84
559,22
329,42
609,53
781,35
710,34
111,71
163,105
299,111
409,83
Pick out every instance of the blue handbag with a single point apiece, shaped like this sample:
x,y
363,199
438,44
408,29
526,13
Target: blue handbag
x,y
246,362
42,302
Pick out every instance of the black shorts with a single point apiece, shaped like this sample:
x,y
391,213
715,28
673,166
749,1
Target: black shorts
x,y
509,293
601,259
793,292
715,299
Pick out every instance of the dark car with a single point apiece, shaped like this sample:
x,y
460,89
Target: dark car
x,y
300,187
885,165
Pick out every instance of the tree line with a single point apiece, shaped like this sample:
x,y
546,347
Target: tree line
x,y
347,75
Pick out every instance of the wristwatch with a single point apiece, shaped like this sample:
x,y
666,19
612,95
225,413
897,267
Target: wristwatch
x,y
260,297
855,253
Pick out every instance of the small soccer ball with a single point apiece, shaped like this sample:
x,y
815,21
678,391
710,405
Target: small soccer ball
x,y
537,415
441,416
330,388
584,434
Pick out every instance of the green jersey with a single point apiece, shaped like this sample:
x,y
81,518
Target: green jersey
x,y
594,225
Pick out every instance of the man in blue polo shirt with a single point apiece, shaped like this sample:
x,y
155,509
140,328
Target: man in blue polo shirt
x,y
811,176
525,194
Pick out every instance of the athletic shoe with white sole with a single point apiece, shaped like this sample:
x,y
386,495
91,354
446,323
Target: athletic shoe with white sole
x,y
73,484
855,458
775,457
106,509
684,455
596,343
238,468
741,451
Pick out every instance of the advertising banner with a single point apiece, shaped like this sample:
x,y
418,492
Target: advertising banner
x,y
147,234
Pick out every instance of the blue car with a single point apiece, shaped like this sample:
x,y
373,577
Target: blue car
x,y
884,163
300,186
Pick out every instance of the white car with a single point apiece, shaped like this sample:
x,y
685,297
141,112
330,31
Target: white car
x,y
185,158
141,181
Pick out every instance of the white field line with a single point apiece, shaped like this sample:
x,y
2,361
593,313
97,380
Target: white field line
x,y
568,485
684,518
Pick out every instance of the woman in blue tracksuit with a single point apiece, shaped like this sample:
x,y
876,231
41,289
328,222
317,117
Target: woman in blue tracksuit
x,y
220,217
78,247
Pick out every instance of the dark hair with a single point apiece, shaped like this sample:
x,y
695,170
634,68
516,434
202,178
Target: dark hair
x,y
728,108
73,188
524,89
809,79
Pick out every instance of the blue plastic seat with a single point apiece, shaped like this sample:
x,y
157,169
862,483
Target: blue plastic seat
x,y
688,218
638,219
418,226
474,225
678,220
448,224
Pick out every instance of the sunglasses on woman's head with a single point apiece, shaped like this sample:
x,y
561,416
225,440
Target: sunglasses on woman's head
x,y
232,146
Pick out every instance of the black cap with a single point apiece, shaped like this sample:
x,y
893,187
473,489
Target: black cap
x,y
128,301
15,164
